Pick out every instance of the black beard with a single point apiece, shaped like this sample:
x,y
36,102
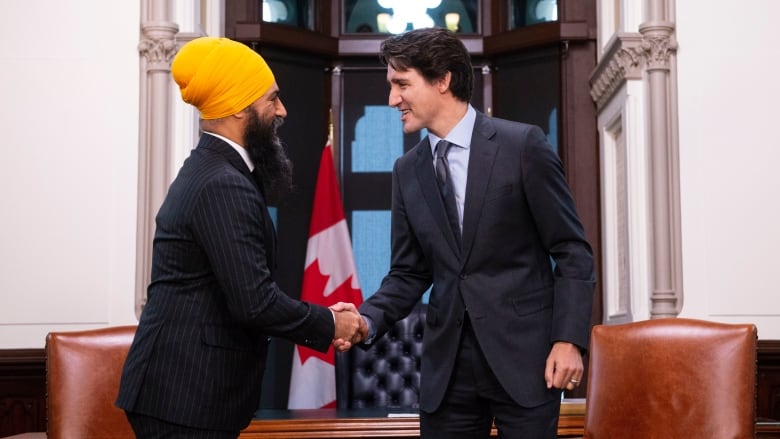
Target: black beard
x,y
269,156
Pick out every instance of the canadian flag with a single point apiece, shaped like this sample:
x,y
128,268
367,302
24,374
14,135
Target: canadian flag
x,y
329,277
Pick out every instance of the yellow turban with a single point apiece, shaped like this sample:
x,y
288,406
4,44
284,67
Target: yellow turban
x,y
220,76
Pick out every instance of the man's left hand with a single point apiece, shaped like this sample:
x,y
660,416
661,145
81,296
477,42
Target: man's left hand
x,y
564,366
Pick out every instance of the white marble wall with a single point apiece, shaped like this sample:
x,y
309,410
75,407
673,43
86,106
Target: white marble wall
x,y
728,96
69,83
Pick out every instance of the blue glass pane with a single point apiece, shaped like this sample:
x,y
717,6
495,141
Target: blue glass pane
x,y
274,213
378,140
371,247
552,129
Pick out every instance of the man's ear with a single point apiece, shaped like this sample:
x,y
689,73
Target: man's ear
x,y
443,83
241,114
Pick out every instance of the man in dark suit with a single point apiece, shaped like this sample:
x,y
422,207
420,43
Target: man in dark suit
x,y
195,367
480,216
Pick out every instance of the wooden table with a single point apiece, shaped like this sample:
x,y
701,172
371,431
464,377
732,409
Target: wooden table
x,y
335,423
370,423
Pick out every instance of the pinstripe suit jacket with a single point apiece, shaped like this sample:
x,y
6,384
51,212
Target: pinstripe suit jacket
x,y
200,349
518,214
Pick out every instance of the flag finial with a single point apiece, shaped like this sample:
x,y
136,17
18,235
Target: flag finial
x,y
330,126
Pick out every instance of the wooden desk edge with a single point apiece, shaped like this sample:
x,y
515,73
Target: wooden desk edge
x,y
569,424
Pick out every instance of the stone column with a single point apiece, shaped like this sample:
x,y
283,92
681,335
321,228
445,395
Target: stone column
x,y
658,46
156,48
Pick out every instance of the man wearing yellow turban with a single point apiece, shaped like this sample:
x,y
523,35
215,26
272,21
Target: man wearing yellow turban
x,y
196,365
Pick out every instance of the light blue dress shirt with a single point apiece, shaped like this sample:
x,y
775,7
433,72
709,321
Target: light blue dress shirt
x,y
458,156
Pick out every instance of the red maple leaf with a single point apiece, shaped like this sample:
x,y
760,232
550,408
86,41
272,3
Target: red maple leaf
x,y
314,283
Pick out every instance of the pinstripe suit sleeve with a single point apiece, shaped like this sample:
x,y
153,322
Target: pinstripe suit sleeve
x,y
228,221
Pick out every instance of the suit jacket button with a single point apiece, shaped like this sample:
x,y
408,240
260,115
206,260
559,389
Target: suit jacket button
x,y
463,276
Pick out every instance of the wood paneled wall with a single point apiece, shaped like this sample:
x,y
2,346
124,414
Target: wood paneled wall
x,y
22,391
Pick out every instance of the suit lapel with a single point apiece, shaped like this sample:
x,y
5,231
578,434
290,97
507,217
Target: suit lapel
x,y
481,159
430,191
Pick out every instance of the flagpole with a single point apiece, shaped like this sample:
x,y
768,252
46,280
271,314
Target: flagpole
x,y
330,129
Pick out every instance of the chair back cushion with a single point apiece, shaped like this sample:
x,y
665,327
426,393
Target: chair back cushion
x,y
672,378
83,369
386,375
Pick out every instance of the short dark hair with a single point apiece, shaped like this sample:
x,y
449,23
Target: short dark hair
x,y
433,52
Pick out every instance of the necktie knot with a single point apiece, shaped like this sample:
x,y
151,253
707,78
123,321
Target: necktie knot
x,y
441,149
442,164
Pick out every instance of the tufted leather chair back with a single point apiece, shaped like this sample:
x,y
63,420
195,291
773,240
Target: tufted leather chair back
x,y
388,374
672,378
82,381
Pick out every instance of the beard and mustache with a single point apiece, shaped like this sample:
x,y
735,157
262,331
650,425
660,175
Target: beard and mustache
x,y
268,154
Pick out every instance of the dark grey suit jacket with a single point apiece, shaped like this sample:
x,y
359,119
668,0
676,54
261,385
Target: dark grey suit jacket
x,y
518,214
199,353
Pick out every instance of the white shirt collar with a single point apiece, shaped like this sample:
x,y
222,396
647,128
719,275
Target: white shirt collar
x,y
240,149
460,135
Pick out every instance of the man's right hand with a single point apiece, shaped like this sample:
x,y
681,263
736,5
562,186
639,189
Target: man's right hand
x,y
351,328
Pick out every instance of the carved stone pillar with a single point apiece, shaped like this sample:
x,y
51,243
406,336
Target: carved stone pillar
x,y
658,45
156,48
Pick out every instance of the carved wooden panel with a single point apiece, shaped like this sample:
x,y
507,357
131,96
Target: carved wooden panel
x,y
22,391
768,392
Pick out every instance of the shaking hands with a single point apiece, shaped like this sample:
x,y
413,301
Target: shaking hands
x,y
351,328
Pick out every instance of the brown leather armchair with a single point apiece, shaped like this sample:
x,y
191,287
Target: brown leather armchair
x,y
672,378
82,381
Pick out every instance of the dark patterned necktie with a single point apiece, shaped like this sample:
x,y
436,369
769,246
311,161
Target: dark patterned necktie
x,y
444,180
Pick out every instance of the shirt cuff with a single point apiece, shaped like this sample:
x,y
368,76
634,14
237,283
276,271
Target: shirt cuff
x,y
371,329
